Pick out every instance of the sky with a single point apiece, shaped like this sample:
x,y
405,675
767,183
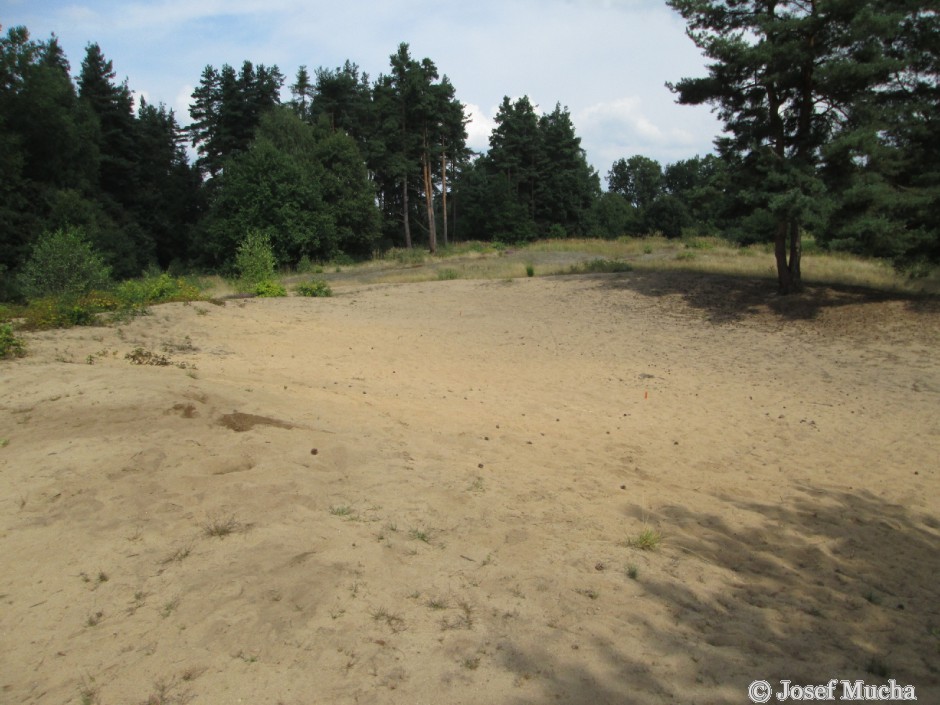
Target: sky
x,y
607,61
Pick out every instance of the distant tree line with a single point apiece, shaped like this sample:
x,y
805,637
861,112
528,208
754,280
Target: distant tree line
x,y
830,110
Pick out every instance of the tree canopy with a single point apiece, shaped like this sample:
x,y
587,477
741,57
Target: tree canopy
x,y
830,127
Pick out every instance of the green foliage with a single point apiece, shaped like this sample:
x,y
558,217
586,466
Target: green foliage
x,y
59,312
254,260
446,274
155,288
315,287
269,289
63,263
305,187
10,345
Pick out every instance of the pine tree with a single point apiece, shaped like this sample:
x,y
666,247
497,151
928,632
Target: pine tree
x,y
792,78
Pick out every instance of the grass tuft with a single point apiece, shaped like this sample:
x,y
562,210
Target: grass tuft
x,y
647,540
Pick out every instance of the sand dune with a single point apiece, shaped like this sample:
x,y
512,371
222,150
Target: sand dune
x,y
426,493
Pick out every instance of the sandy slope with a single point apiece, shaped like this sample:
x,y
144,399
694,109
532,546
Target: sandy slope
x,y
431,488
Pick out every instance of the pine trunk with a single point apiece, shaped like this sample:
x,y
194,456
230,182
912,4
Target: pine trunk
x,y
429,202
444,194
789,277
405,217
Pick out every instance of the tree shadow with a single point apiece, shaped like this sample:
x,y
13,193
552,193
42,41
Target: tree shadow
x,y
829,584
729,298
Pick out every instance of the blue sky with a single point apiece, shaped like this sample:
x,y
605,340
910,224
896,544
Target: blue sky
x,y
606,60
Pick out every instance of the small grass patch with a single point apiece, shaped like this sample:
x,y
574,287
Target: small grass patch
x,y
600,266
647,540
220,527
447,274
420,535
395,622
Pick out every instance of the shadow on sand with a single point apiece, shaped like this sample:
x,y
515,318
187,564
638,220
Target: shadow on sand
x,y
725,298
833,585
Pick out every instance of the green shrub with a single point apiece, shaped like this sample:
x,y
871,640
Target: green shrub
x,y
155,288
59,312
254,260
530,270
63,263
269,289
10,345
316,287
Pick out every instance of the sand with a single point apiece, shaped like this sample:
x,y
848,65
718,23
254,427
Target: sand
x,y
430,493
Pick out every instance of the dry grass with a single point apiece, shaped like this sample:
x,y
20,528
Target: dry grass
x,y
476,260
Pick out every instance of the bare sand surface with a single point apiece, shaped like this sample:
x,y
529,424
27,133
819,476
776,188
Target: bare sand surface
x,y
427,493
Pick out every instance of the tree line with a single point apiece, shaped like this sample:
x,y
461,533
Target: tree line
x,y
830,127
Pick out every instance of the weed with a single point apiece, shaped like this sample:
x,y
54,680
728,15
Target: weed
x,y
437,603
164,693
178,555
632,571
685,256
447,274
647,540
88,693
169,607
4,442
476,485
341,510
420,535
395,622
873,598
94,619
588,593
463,620
139,356
471,663
221,527
530,270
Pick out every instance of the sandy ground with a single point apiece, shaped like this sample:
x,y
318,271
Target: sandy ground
x,y
426,493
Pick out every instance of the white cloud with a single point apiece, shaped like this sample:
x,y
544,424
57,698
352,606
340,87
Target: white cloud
x,y
479,128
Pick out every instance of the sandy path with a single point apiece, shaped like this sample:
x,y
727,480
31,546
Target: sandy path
x,y
483,453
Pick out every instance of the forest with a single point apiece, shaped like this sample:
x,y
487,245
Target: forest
x,y
830,109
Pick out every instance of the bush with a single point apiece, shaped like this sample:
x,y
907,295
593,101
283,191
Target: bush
x,y
59,312
155,288
317,287
255,260
63,263
10,345
269,289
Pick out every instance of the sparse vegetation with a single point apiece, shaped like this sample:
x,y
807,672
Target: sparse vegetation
x,y
314,288
647,540
221,526
10,345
